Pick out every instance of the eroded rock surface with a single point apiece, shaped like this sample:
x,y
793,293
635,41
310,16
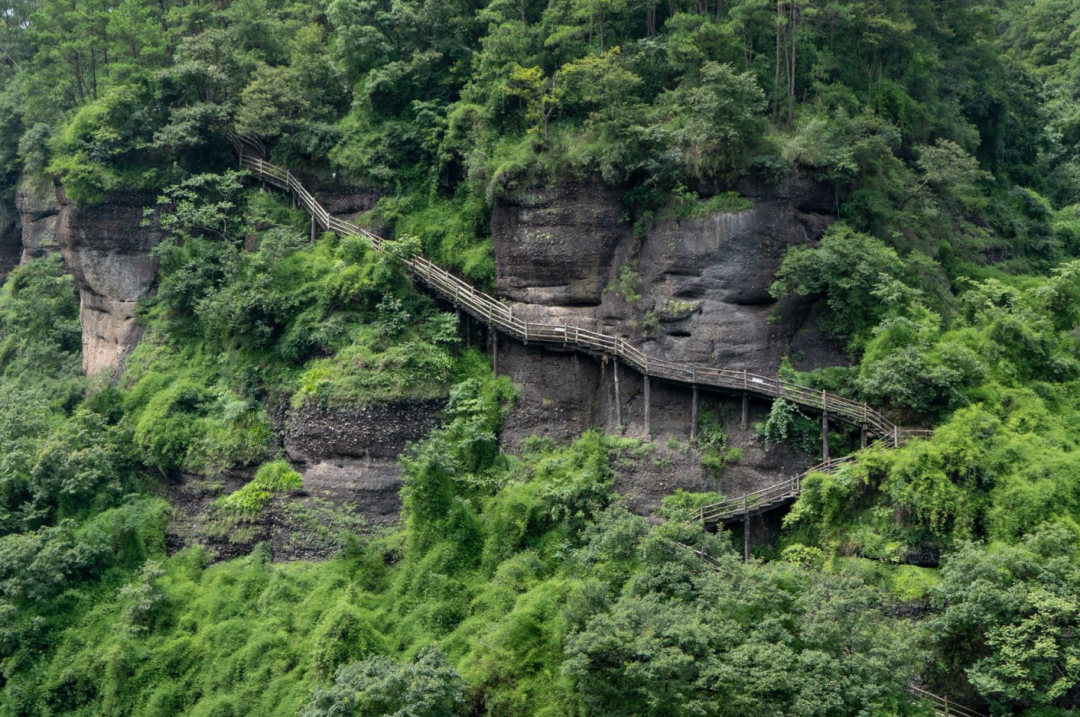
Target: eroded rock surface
x,y
699,286
10,238
109,252
555,245
39,212
348,458
350,454
699,293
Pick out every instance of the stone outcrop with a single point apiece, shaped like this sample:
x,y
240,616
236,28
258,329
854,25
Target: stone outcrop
x,y
109,252
698,286
348,458
10,238
698,292
555,245
562,394
378,431
39,212
353,452
106,248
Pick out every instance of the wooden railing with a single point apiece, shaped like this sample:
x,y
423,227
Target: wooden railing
x,y
943,706
489,310
731,509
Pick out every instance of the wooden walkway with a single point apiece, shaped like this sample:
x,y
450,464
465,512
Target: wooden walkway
x,y
500,317
786,491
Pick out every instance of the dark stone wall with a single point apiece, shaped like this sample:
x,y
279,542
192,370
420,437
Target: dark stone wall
x,y
705,280
382,430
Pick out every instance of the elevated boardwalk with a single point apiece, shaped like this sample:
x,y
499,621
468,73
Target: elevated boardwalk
x,y
500,317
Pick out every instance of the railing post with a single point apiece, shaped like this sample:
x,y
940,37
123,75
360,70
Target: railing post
x,y
824,428
745,410
693,414
618,396
648,432
494,349
746,532
313,228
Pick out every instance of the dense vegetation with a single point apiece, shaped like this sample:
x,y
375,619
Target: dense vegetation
x,y
948,132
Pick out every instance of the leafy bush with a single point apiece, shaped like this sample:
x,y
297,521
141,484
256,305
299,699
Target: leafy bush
x,y
376,687
270,479
1009,618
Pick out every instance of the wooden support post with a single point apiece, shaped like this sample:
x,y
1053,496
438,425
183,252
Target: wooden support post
x,y
746,537
825,436
494,350
618,396
862,436
648,432
312,228
693,415
457,331
745,410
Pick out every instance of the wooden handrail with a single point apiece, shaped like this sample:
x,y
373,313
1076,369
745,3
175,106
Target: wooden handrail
x,y
501,317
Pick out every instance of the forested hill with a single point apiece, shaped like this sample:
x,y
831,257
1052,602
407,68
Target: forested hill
x,y
251,468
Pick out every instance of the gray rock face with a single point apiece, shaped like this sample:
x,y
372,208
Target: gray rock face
x,y
109,253
703,287
378,431
10,238
704,281
561,394
555,245
107,250
39,212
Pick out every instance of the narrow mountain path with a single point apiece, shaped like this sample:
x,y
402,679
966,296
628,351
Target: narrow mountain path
x,y
499,316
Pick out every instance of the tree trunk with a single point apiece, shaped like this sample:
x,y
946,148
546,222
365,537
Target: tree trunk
x,y
601,29
791,76
776,80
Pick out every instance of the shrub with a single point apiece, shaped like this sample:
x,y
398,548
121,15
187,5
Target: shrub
x,y
271,479
379,687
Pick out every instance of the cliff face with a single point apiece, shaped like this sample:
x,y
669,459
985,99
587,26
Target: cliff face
x,y
107,250
693,289
10,238
352,480
110,255
39,211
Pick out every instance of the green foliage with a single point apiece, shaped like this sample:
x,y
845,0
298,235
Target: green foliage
x,y
944,135
713,445
846,267
1009,616
377,687
680,635
786,425
682,504
270,479
627,285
